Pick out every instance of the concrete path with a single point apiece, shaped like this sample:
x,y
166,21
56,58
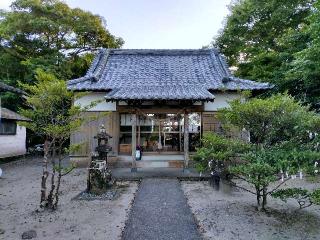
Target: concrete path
x,y
160,211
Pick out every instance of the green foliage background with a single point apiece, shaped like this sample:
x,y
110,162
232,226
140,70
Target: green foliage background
x,y
48,35
275,41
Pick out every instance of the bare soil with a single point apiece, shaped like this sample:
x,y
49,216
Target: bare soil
x,y
74,219
230,214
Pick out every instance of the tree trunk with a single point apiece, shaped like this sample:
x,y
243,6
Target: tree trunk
x,y
58,179
45,174
53,161
57,191
264,197
258,196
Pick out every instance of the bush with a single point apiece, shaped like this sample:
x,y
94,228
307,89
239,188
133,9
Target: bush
x,y
283,139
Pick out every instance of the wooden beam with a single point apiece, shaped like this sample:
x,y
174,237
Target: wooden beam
x,y
186,140
157,109
134,141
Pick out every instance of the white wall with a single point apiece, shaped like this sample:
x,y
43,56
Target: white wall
x,y
13,145
221,101
96,96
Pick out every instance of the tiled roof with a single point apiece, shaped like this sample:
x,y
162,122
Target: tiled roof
x,y
157,93
8,114
160,74
6,88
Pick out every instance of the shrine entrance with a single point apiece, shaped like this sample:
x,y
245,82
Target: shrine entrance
x,y
160,133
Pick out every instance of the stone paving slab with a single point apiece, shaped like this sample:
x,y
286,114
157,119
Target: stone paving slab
x,y
160,212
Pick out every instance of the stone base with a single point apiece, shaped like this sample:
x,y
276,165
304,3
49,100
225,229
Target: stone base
x,y
99,179
83,161
186,170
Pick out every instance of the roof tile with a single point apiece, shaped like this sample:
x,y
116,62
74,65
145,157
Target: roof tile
x,y
8,114
132,73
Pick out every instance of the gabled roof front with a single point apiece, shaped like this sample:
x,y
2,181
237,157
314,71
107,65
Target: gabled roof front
x,y
11,115
6,88
160,74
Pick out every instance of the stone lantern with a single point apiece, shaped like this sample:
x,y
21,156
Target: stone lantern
x,y
99,175
103,147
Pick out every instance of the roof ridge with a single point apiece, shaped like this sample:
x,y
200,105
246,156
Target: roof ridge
x,y
217,63
11,89
95,62
224,64
90,74
159,51
240,80
98,70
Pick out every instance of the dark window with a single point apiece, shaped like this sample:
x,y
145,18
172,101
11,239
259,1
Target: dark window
x,y
126,129
8,127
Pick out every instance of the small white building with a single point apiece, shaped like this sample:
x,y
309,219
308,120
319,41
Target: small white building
x,y
12,135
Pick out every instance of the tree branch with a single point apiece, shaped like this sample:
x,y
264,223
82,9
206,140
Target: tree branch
x,y
279,185
67,172
243,188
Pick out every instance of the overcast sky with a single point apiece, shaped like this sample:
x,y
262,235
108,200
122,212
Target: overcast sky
x,y
158,24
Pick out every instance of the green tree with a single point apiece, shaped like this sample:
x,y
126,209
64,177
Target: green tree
x,y
50,35
262,167
254,27
282,141
54,118
261,38
270,121
218,150
304,74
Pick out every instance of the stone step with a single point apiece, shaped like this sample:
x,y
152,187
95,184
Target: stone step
x,y
149,164
163,157
172,161
158,164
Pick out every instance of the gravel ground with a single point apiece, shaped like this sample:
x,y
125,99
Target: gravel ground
x,y
160,211
230,214
96,219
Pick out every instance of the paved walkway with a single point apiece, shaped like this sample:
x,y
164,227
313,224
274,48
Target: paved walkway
x,y
160,212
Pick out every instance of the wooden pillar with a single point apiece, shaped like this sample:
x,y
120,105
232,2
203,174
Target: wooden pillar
x,y
139,130
115,132
180,136
186,140
134,141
